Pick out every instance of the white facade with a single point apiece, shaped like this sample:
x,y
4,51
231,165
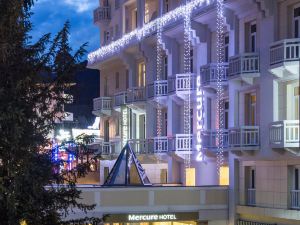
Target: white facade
x,y
261,100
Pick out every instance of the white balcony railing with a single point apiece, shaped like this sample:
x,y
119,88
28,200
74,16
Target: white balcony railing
x,y
247,63
160,144
140,146
251,196
209,73
183,142
136,94
210,139
102,103
285,133
182,82
158,88
244,136
295,199
284,51
102,13
120,99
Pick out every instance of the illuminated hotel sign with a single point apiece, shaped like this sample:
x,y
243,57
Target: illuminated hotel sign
x,y
151,217
200,156
124,114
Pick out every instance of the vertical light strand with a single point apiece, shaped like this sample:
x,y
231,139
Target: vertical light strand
x,y
187,70
157,87
220,75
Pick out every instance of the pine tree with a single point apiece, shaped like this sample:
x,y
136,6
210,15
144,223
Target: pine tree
x,y
33,77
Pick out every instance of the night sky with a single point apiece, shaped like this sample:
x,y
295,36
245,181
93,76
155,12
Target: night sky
x,y
50,15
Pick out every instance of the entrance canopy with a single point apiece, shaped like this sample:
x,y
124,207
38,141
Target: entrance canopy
x,y
127,170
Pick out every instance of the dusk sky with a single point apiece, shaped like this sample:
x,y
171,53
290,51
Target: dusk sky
x,y
50,15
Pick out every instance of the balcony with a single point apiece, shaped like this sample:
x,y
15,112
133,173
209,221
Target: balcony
x,y
102,14
209,74
251,196
285,134
210,139
284,58
102,106
244,138
295,199
244,67
160,144
183,143
181,85
107,148
143,200
120,100
158,91
140,146
136,98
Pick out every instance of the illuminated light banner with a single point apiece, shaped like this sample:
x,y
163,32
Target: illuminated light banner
x,y
124,115
151,217
200,118
138,34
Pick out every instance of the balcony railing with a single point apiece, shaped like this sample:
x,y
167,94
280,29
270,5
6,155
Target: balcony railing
x,y
140,146
120,99
102,103
247,63
136,94
284,51
285,133
182,82
210,139
183,142
160,144
209,73
158,88
251,196
102,13
244,136
295,199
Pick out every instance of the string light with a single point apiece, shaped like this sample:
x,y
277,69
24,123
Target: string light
x,y
140,33
159,50
220,75
187,70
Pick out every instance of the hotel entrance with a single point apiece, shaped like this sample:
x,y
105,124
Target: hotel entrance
x,y
187,218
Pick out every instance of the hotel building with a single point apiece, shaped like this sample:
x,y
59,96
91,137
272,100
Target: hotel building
x,y
148,99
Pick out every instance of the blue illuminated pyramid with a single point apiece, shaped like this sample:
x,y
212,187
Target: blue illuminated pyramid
x,y
127,170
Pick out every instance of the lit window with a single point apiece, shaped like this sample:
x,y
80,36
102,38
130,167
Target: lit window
x,y
224,175
190,178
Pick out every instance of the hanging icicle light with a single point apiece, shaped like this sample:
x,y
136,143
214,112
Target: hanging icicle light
x,y
159,49
140,33
187,70
220,75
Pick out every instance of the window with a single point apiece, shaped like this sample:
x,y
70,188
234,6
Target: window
x,y
106,172
142,75
191,115
106,37
296,25
117,4
105,86
147,16
166,123
106,131
250,109
252,38
166,6
117,34
226,114
252,178
117,127
224,175
190,179
296,179
208,115
165,72
117,80
226,48
296,102
127,79
163,176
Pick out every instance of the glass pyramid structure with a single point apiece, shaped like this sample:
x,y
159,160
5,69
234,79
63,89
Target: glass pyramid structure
x,y
127,170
